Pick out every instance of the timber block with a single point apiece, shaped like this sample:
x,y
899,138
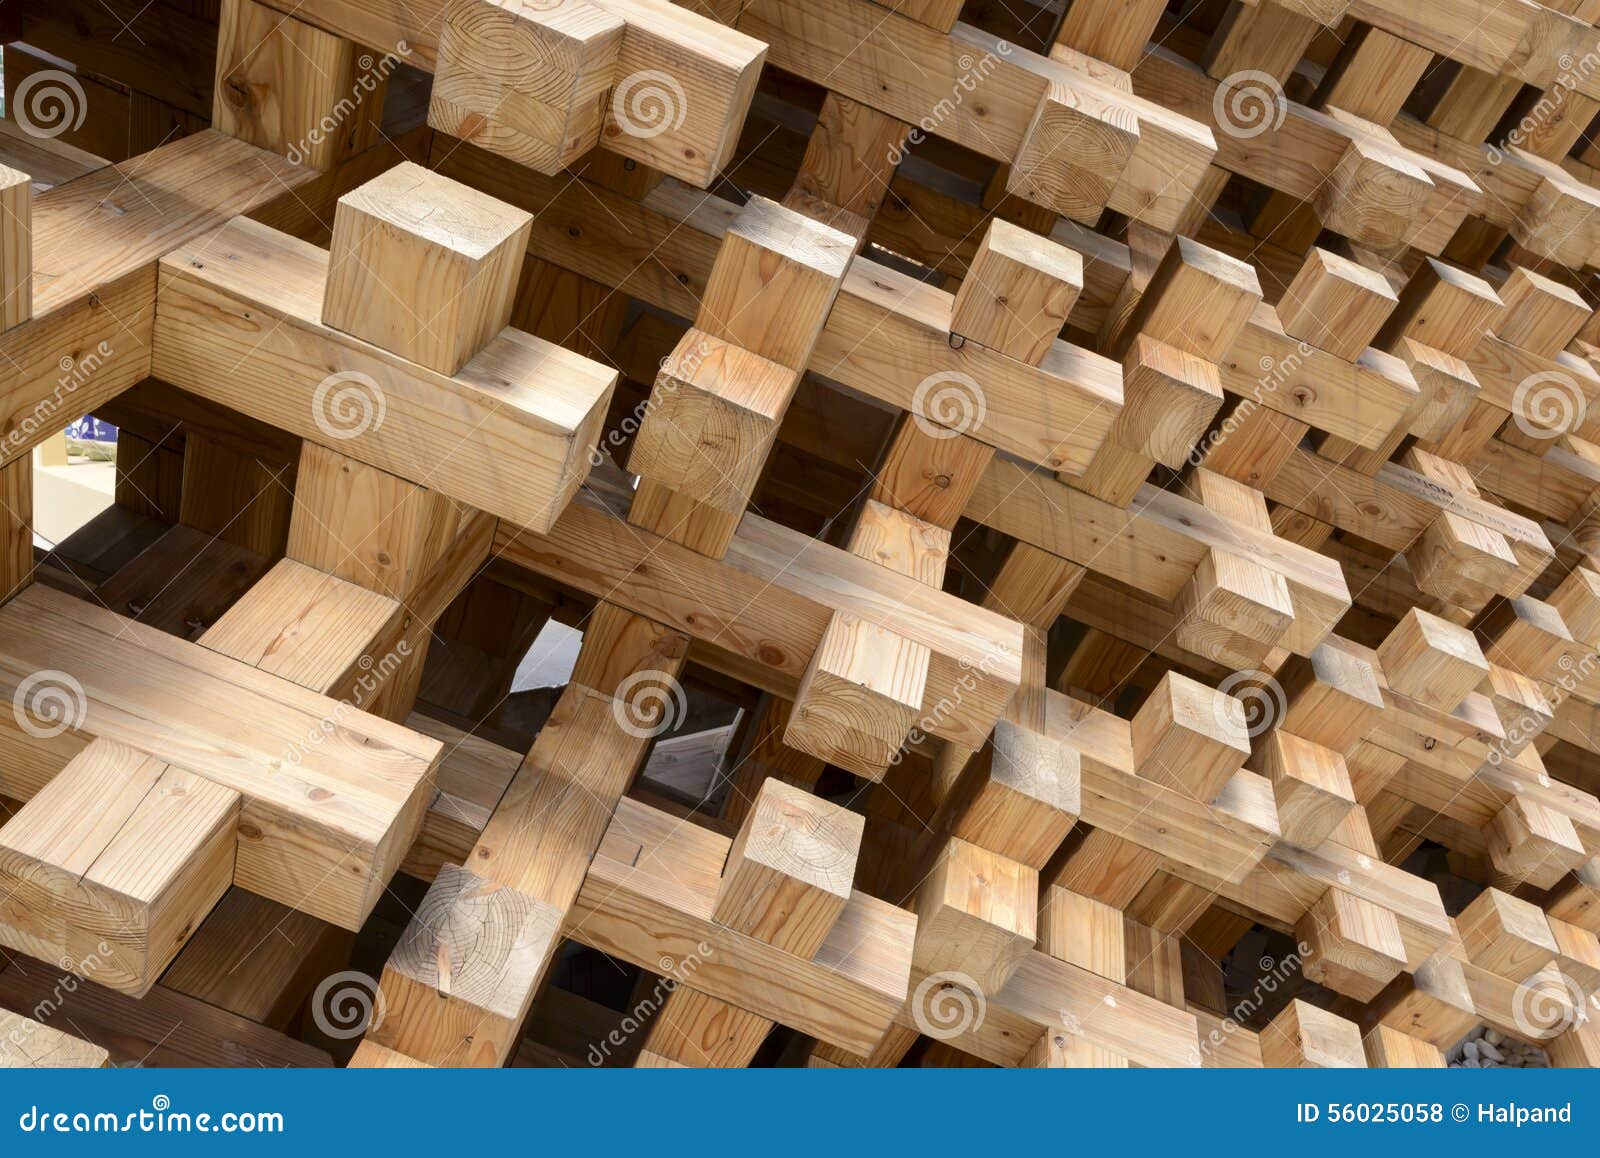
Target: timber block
x,y
1309,782
1519,704
423,266
1389,1048
113,866
1018,291
713,414
1432,660
1447,384
1074,151
1375,193
1433,1003
1020,794
1233,609
526,79
1444,307
774,281
1529,841
293,88
1302,1036
16,248
1332,697
897,539
1189,737
976,917
859,697
1577,953
1506,935
1541,316
1197,299
512,434
458,983
1169,397
790,870
26,1044
1577,599
1462,562
1559,221
1355,945
1335,304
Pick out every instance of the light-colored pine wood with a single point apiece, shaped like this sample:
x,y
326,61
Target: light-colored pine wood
x,y
1189,737
1336,304
790,870
528,81
1355,945
774,281
859,696
16,247
976,917
240,325
27,1044
332,797
711,420
115,863
294,89
1305,1037
1506,935
1309,782
423,267
1018,292
1432,660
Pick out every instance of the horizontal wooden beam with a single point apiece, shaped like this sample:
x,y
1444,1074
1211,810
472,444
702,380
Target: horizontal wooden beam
x,y
238,321
766,606
331,797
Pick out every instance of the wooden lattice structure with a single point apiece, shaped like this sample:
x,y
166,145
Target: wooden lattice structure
x,y
1081,517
